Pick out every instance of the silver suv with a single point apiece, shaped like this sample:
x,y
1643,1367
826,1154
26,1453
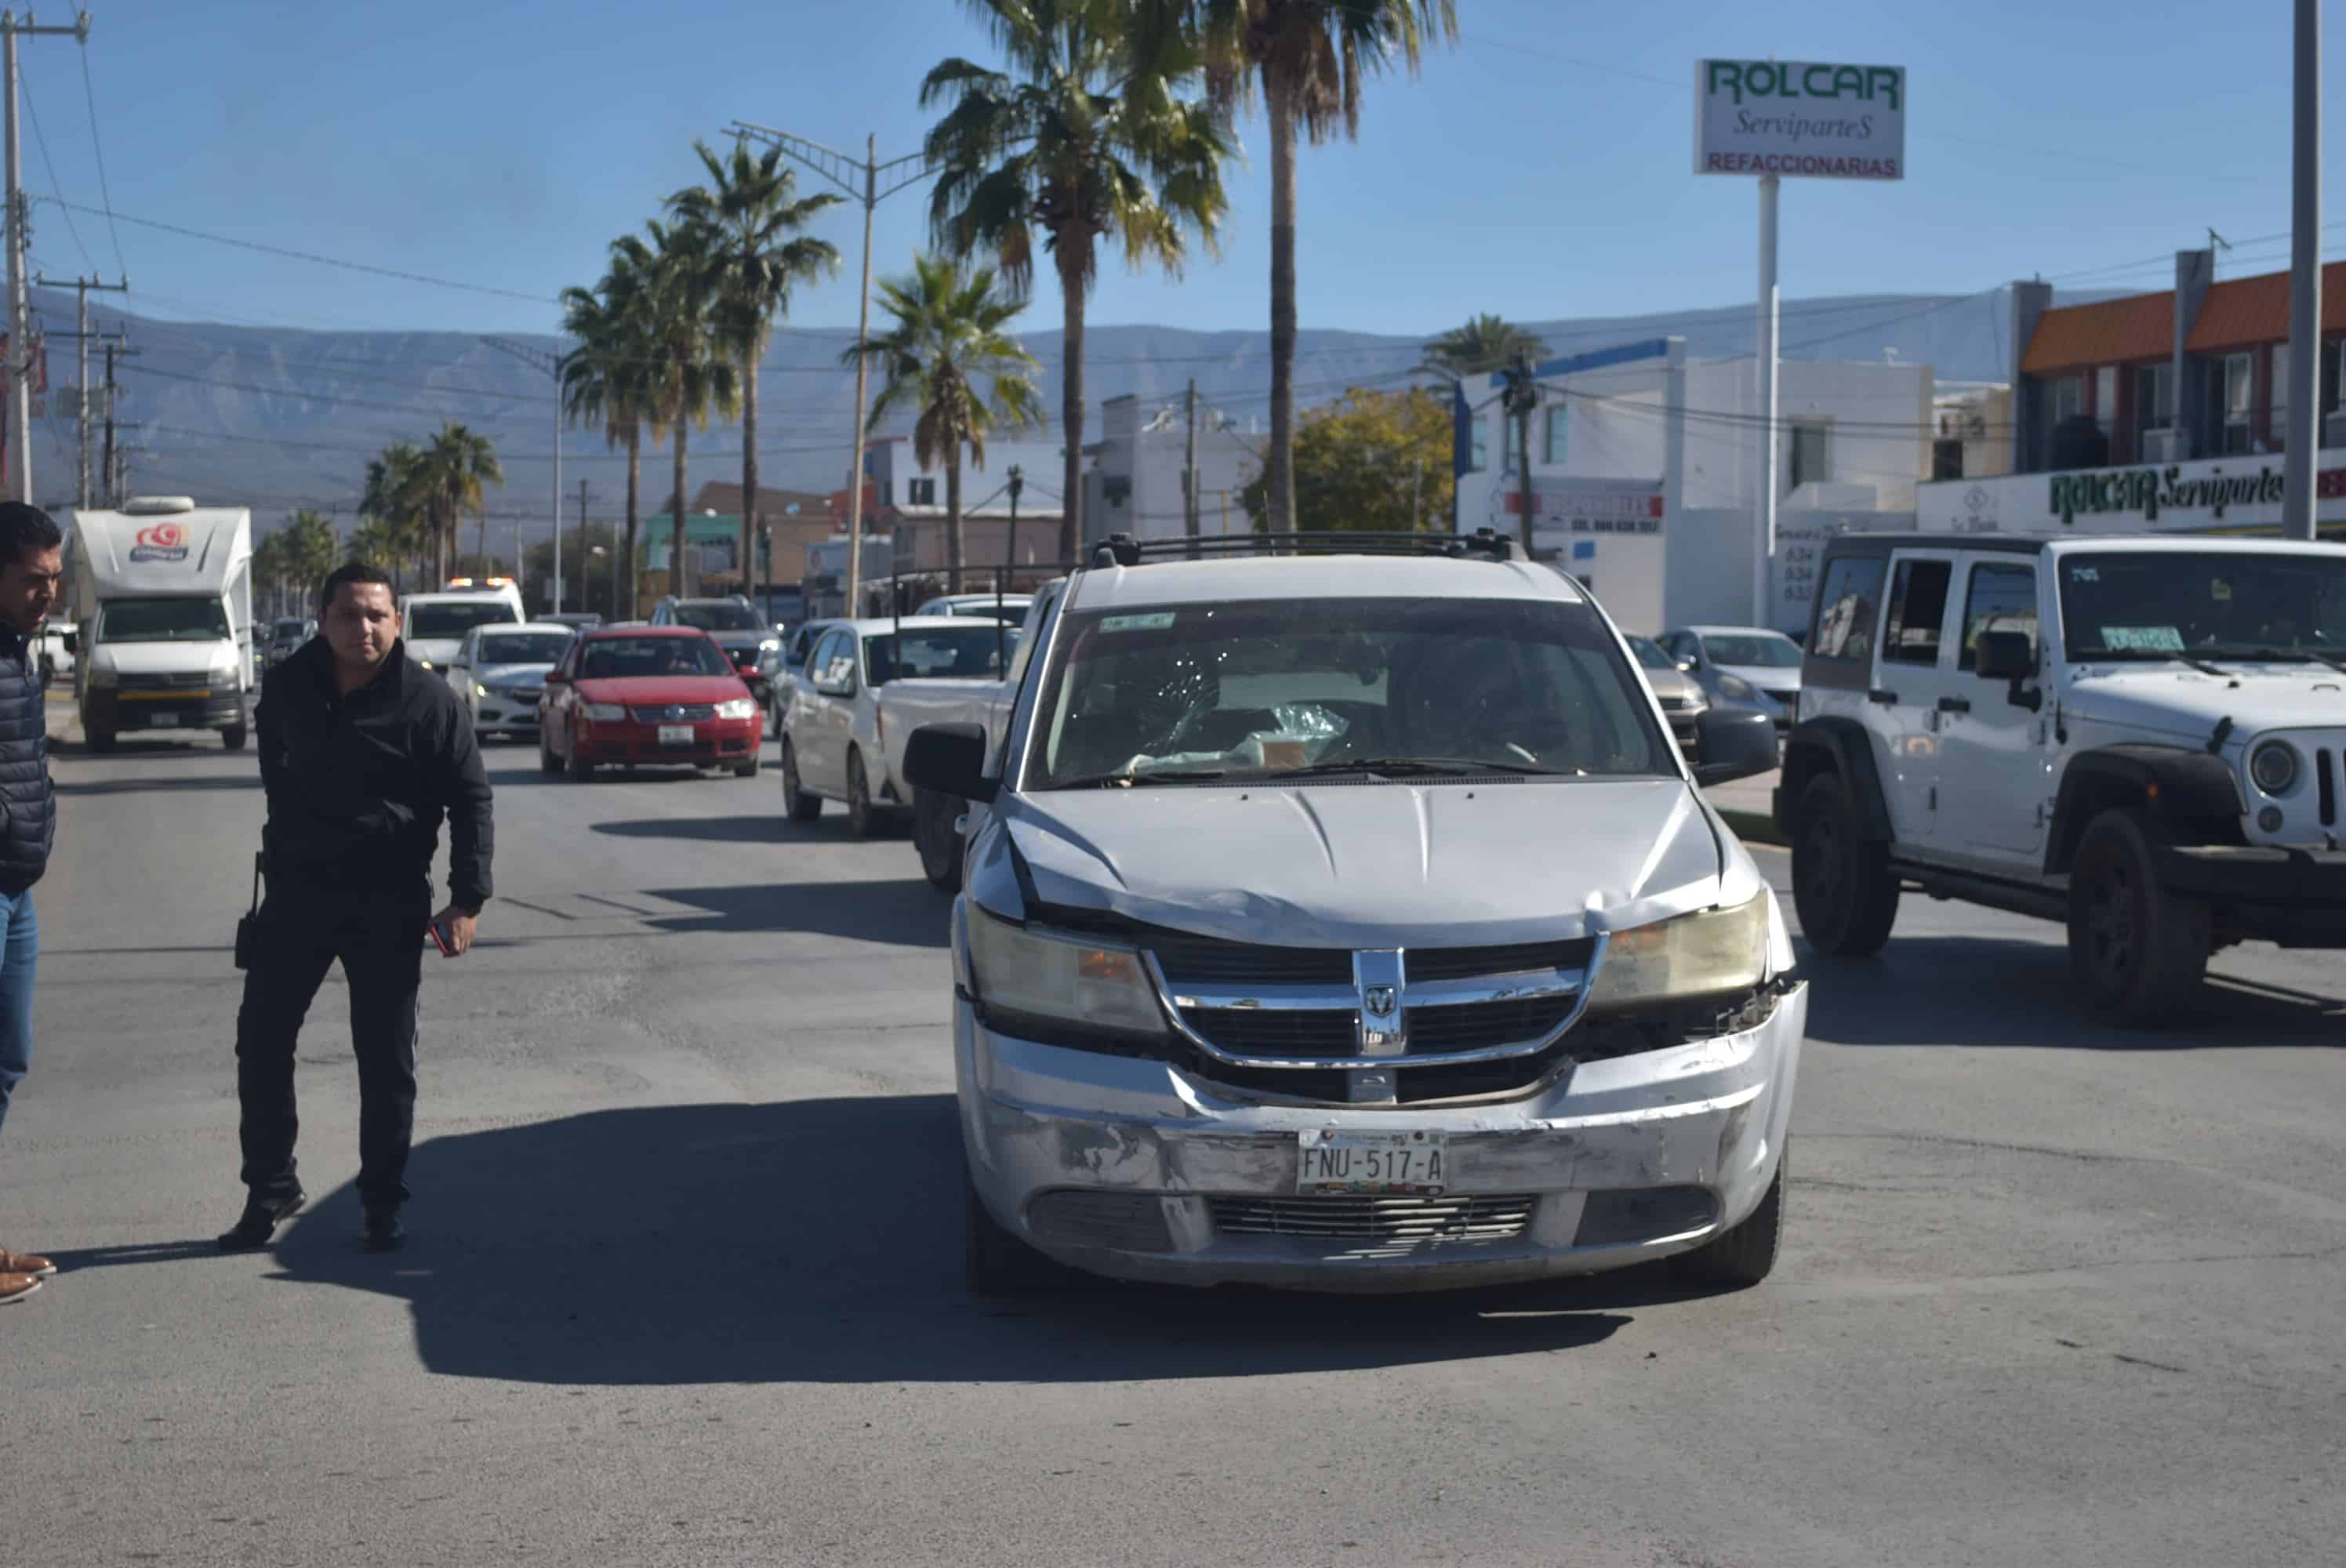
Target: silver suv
x,y
2142,738
1345,919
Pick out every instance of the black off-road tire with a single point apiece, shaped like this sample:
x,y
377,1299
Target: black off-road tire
x,y
937,838
1743,1257
1843,886
2140,954
994,1261
797,803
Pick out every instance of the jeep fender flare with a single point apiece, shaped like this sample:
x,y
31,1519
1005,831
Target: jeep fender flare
x,y
1832,745
2187,796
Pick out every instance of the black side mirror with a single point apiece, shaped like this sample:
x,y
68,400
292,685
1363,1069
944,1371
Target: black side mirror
x,y
2005,656
1733,743
72,640
950,758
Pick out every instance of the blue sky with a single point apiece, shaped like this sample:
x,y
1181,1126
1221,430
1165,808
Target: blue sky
x,y
1542,168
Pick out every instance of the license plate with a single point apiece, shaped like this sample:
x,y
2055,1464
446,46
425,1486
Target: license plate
x,y
1328,1161
676,735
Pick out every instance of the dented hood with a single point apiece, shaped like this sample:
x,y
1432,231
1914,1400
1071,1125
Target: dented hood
x,y
1375,865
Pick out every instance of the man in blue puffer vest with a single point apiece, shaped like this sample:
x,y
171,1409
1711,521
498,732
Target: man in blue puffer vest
x,y
30,571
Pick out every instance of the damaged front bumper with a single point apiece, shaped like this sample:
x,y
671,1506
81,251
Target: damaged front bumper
x,y
1136,1169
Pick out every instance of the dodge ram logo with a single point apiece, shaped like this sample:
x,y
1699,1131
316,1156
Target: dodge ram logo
x,y
1379,1000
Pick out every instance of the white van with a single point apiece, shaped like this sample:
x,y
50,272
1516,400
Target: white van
x,y
434,624
162,593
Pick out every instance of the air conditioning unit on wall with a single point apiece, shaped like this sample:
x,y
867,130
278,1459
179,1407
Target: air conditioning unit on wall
x,y
2164,444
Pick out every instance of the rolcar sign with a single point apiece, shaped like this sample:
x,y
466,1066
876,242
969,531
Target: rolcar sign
x,y
1795,117
2148,490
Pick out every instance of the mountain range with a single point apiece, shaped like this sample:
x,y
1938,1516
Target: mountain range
x,y
276,418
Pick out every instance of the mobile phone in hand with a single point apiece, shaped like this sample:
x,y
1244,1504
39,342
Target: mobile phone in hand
x,y
443,940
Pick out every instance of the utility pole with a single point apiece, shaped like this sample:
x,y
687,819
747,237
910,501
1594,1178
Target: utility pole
x,y
582,549
861,181
2303,435
1189,498
1010,545
82,335
1521,397
552,364
20,336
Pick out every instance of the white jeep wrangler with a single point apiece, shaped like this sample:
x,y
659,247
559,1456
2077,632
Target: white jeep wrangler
x,y
2141,736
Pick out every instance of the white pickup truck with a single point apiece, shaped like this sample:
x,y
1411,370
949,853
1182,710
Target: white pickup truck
x,y
907,705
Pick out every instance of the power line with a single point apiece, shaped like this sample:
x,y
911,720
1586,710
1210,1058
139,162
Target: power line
x,y
33,113
106,194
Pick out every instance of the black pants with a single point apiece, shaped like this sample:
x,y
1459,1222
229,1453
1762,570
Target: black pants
x,y
378,938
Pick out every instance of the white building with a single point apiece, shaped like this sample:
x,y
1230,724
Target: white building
x,y
1645,473
1134,483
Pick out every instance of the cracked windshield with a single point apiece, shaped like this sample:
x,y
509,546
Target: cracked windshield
x,y
1172,784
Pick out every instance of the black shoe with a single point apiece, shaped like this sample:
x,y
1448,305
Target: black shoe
x,y
262,1216
384,1232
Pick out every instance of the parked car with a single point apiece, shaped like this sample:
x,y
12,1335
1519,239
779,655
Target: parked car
x,y
2144,739
791,663
1011,608
1743,664
60,639
831,738
735,625
1349,921
285,636
1682,696
577,620
637,696
499,673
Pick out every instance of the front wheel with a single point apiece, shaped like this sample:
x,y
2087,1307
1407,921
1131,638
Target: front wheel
x,y
796,804
2138,952
580,770
234,736
863,821
747,769
995,1262
1746,1255
1843,886
938,839
547,762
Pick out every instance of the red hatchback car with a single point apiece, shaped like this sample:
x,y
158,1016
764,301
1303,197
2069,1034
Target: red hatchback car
x,y
637,696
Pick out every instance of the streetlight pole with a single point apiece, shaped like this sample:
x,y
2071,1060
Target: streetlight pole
x,y
862,180
19,368
2297,505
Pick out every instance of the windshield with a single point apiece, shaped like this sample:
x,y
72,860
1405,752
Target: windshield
x,y
291,628
447,619
522,647
1768,650
162,621
1650,653
979,652
2162,604
619,658
719,617
1459,686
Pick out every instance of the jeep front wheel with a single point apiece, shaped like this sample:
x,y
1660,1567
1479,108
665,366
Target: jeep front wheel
x,y
2138,952
1842,886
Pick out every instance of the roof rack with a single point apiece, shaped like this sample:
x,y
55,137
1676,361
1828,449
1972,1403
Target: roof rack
x,y
1124,550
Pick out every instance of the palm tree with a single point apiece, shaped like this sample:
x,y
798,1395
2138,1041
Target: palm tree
x,y
949,336
452,471
395,498
674,308
1312,56
374,543
1483,344
750,218
1081,137
604,379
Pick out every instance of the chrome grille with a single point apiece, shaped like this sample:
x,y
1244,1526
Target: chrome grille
x,y
1267,1032
173,680
674,713
1385,1221
1126,1221
1464,1027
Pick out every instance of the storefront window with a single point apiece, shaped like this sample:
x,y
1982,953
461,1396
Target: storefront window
x,y
2068,399
2153,386
1808,456
2106,399
2235,402
1552,449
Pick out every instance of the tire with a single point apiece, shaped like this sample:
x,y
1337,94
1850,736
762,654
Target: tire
x,y
863,821
799,805
99,739
1843,886
1743,1257
994,1261
748,769
547,762
937,839
577,769
234,736
2138,952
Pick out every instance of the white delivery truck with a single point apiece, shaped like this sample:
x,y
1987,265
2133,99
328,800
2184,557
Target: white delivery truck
x,y
162,594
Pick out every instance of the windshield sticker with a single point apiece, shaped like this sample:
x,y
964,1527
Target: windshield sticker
x,y
2220,590
2142,639
1158,621
2084,574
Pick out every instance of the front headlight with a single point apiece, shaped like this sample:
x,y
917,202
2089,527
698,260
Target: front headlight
x,y
1735,687
738,708
1062,976
772,645
2273,767
103,675
479,689
606,712
225,670
1709,952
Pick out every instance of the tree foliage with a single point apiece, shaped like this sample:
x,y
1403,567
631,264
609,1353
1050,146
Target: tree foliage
x,y
1375,462
1485,343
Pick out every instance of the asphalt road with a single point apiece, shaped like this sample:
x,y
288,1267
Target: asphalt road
x,y
685,1286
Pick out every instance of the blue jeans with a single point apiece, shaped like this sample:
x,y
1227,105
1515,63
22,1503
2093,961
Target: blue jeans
x,y
20,945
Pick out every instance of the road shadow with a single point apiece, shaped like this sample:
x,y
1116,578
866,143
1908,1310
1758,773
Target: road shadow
x,y
765,830
1986,991
819,1241
907,911
128,749
150,784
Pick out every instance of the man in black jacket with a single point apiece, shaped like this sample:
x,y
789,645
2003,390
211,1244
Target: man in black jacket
x,y
30,571
362,750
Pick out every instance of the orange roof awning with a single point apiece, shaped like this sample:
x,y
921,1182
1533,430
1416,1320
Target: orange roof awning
x,y
2242,312
2074,337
